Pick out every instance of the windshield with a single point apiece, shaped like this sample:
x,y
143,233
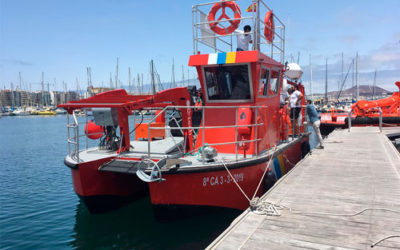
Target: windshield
x,y
227,82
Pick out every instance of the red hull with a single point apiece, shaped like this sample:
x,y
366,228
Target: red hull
x,y
90,184
216,188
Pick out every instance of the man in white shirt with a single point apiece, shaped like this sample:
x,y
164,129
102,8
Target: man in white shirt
x,y
295,107
243,38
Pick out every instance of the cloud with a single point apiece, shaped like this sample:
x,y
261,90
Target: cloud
x,y
18,62
385,57
349,39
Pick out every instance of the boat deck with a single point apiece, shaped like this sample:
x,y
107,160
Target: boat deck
x,y
346,196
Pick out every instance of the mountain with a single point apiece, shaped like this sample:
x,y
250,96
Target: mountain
x,y
364,90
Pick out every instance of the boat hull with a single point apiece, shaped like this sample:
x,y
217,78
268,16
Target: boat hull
x,y
210,188
105,191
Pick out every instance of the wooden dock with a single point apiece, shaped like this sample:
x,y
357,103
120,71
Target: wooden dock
x,y
346,196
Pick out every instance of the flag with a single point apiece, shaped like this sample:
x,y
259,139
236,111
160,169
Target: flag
x,y
252,8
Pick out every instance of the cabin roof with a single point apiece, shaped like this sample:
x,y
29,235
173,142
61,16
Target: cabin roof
x,y
231,58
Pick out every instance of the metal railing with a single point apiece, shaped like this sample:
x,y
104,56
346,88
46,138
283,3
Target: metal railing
x,y
74,135
205,38
203,127
73,141
380,119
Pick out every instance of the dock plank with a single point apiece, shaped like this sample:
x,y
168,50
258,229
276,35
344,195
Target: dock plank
x,y
346,196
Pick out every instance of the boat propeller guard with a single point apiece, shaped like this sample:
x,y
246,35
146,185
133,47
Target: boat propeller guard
x,y
155,174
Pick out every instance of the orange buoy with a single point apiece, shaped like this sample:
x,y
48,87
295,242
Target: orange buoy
x,y
93,131
269,28
234,23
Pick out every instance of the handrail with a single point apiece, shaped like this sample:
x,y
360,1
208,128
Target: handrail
x,y
203,127
204,37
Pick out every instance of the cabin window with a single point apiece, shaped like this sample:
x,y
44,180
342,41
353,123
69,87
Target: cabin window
x,y
274,82
227,82
264,82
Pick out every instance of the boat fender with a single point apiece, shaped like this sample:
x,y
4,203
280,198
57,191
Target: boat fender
x,y
269,28
305,149
93,131
234,23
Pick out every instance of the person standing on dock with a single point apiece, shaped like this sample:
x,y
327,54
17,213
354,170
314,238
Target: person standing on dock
x,y
295,107
314,121
243,38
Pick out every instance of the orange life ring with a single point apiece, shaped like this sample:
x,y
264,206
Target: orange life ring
x,y
234,23
269,28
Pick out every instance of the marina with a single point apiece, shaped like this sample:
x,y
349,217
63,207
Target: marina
x,y
351,201
231,156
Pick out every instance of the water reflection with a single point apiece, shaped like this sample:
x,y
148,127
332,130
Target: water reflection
x,y
134,226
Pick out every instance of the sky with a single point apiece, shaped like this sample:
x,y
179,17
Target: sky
x,y
62,38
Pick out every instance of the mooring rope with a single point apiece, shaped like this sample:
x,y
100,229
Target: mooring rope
x,y
253,202
265,171
234,180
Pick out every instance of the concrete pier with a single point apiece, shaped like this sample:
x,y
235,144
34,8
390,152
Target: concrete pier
x,y
346,196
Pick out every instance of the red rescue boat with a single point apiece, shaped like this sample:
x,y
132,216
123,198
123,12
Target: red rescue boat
x,y
365,113
221,151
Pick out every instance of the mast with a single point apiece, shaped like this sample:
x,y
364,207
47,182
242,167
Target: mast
x,y
116,75
43,100
358,91
173,83
12,95
20,81
77,88
311,92
326,80
141,84
89,79
153,82
373,88
183,76
111,83
138,84
55,90
341,77
129,80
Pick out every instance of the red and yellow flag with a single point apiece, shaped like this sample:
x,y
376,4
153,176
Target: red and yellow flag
x,y
252,8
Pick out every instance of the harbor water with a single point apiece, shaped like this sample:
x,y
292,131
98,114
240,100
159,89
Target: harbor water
x,y
39,209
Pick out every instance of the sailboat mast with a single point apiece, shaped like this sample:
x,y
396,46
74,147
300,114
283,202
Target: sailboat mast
x,y
311,92
326,80
129,80
357,89
373,88
173,74
153,83
43,100
116,75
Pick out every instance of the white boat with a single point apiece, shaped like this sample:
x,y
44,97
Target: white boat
x,y
20,112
